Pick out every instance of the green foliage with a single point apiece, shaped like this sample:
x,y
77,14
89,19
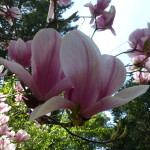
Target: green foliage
x,y
44,137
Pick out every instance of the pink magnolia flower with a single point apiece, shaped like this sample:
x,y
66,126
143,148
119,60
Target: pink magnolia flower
x,y
4,129
140,61
10,134
18,86
141,77
105,21
3,119
10,146
97,9
45,81
2,97
20,52
140,39
5,143
95,79
11,13
21,136
63,2
4,107
50,11
19,98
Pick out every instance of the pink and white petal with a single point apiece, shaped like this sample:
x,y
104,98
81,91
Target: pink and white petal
x,y
22,74
11,49
64,84
81,63
20,50
50,11
113,31
15,12
45,61
55,103
113,76
119,99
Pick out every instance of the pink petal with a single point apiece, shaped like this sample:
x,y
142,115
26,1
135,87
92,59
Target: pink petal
x,y
11,49
113,76
55,103
20,52
22,74
119,99
45,61
50,11
64,84
81,63
15,12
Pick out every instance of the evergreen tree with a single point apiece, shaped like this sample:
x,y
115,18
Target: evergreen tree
x,y
34,14
136,116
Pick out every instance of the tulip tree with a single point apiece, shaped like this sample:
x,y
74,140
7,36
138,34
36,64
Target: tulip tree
x,y
61,82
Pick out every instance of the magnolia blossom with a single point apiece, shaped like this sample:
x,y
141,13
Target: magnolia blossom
x,y
3,119
105,21
11,13
18,86
50,11
5,143
4,107
140,41
10,134
4,129
21,136
20,52
97,9
141,77
140,61
45,79
63,2
95,79
19,98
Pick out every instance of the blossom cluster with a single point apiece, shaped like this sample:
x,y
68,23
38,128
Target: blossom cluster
x,y
103,19
10,13
8,138
139,53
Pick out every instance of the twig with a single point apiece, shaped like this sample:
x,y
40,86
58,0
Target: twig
x,y
85,139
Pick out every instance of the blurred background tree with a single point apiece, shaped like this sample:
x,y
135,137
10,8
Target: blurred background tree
x,y
34,14
136,115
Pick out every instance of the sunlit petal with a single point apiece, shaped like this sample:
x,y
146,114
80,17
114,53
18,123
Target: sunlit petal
x,y
22,74
119,99
81,63
55,103
113,76
45,60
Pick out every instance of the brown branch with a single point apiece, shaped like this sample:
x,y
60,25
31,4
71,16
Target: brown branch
x,y
87,140
47,120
